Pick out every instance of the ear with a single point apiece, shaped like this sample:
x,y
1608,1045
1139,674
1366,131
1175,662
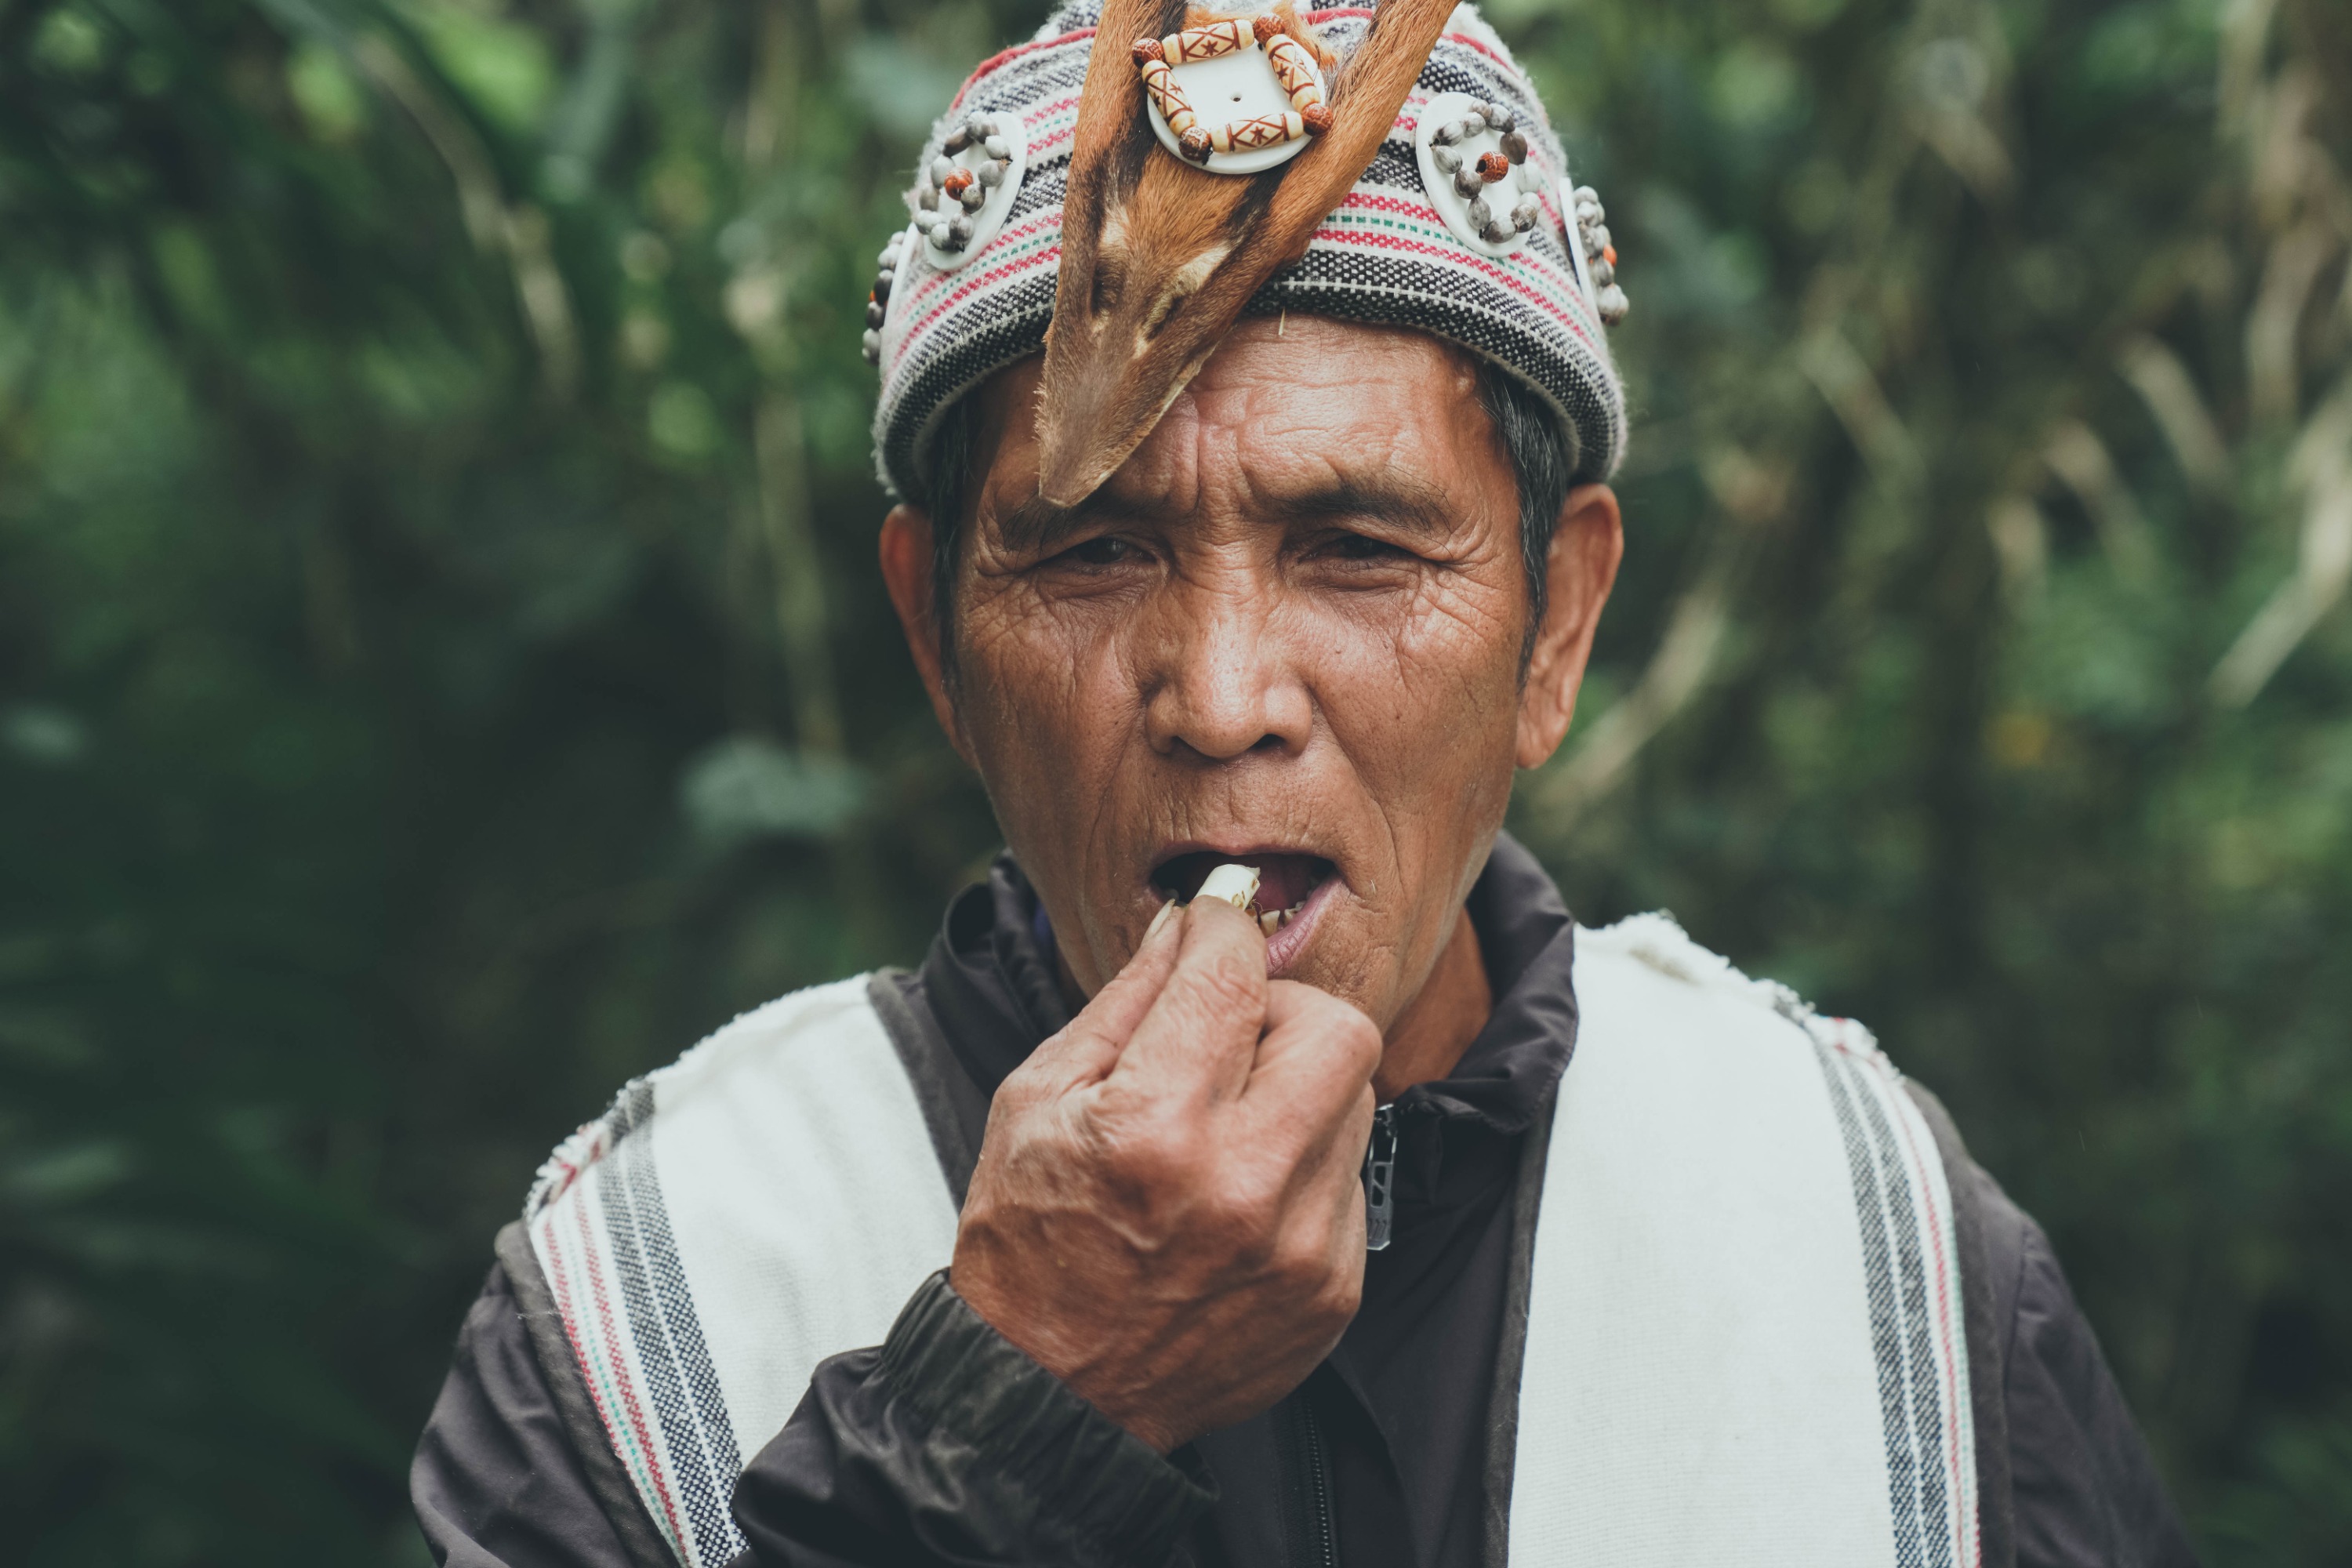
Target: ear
x,y
1586,545
906,551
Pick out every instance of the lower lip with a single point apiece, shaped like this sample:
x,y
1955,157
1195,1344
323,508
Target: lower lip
x,y
1283,948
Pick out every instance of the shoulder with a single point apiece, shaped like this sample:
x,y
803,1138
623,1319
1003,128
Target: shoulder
x,y
1711,1059
1740,1180
1717,1059
768,1200
1646,972
791,1059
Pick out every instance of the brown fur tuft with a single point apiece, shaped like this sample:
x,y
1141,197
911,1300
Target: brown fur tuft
x,y
1160,257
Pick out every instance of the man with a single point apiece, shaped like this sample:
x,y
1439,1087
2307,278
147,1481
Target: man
x,y
1390,1219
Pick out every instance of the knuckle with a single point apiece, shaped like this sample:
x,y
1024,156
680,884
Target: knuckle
x,y
1335,1304
1352,1036
1341,1025
1302,1266
1016,1101
1325,1292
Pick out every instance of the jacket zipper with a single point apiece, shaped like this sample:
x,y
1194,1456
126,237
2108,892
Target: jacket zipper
x,y
1379,1214
1379,1179
1323,1536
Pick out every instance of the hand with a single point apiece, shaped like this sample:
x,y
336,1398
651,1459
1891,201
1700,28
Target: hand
x,y
1167,1213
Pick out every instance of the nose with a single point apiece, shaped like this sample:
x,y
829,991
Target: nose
x,y
1219,679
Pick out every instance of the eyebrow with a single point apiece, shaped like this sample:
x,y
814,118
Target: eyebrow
x,y
1038,524
1402,501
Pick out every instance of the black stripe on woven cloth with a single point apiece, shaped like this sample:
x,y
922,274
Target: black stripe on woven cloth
x,y
1885,1332
680,1382
1040,188
1927,1388
976,316
676,1296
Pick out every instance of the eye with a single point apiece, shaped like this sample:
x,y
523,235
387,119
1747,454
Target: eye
x,y
1359,547
1108,550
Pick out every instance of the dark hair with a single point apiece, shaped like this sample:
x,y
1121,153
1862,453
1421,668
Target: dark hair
x,y
1543,463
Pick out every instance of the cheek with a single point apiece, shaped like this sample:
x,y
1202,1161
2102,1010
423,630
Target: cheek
x,y
1424,699
1047,713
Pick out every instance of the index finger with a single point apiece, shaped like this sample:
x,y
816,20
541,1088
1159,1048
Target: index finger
x,y
1091,1044
1200,1034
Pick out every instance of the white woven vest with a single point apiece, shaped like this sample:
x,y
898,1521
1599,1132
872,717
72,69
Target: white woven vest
x,y
1744,1339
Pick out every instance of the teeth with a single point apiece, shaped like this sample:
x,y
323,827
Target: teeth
x,y
1273,920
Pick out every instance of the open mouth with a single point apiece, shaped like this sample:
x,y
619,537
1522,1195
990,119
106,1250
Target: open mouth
x,y
1286,881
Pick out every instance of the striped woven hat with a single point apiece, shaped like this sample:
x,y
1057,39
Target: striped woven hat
x,y
942,322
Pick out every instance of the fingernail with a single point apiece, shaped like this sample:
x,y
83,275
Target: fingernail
x,y
1161,919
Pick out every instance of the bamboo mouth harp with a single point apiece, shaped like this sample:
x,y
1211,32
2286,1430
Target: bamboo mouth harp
x,y
1235,884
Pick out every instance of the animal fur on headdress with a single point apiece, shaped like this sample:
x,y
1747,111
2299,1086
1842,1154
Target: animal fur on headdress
x,y
1159,258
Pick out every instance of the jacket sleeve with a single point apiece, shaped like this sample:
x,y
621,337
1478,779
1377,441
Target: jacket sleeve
x,y
2085,1489
495,1481
2080,1487
2067,1480
947,1445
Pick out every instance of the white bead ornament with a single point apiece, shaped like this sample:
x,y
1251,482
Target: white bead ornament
x,y
1474,164
968,191
893,260
1599,257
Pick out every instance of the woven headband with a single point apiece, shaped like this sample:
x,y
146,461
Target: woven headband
x,y
1464,225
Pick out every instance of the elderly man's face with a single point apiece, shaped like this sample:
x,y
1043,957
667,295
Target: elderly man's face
x,y
1287,632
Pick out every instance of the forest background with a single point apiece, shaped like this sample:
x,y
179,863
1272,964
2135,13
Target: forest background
x,y
442,670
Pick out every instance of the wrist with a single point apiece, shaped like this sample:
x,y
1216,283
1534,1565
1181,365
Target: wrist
x,y
1071,1365
1091,1477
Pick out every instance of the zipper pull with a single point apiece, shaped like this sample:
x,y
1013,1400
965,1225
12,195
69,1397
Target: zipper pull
x,y
1380,1180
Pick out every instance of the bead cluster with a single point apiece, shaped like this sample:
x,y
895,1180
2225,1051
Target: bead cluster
x,y
877,302
1309,114
950,192
1207,42
1472,176
1600,257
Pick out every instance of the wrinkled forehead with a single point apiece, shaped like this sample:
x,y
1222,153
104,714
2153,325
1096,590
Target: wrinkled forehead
x,y
1283,406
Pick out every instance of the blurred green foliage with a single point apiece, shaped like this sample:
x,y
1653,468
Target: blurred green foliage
x,y
441,671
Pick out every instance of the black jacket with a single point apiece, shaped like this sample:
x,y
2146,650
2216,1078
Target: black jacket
x,y
946,1445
